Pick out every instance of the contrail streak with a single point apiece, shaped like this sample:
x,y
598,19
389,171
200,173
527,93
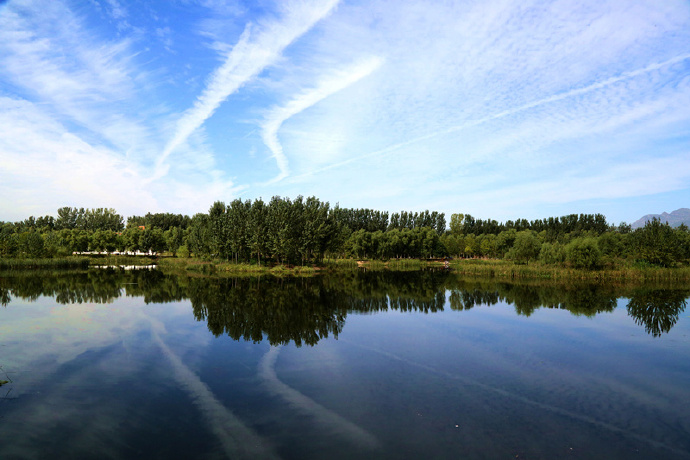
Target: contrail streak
x,y
324,417
328,86
238,441
556,97
249,57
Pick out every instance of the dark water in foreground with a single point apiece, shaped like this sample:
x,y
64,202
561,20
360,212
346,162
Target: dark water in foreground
x,y
129,365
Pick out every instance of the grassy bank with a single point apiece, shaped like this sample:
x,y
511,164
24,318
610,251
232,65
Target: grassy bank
x,y
393,264
57,263
217,267
75,262
118,260
484,268
511,270
223,268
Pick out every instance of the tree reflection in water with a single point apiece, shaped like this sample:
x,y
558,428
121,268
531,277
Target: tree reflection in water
x,y
657,309
306,310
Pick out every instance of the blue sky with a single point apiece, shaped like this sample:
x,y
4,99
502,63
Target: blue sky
x,y
500,109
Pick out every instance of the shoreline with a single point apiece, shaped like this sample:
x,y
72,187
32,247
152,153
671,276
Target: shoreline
x,y
481,268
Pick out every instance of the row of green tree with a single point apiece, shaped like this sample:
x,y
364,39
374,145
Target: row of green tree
x,y
309,230
73,218
656,244
61,243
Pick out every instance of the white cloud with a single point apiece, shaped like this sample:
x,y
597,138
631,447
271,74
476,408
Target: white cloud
x,y
503,93
46,166
621,180
471,101
48,53
117,10
83,129
325,87
254,51
47,50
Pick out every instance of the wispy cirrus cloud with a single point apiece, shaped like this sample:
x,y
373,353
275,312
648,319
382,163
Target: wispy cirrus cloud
x,y
93,86
499,94
259,47
327,86
62,142
43,162
572,93
48,52
83,125
468,99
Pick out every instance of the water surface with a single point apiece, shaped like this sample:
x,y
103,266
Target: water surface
x,y
115,364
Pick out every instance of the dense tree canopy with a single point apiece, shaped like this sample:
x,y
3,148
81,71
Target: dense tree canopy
x,y
307,230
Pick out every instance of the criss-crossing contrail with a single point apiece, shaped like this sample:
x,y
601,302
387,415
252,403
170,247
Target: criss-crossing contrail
x,y
254,52
238,441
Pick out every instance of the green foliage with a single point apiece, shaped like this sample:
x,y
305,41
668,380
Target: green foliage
x,y
198,236
183,252
456,225
173,239
552,253
89,219
624,228
103,240
55,244
525,248
583,253
412,220
505,241
31,245
359,244
130,238
258,238
152,240
405,243
611,244
164,221
306,230
451,244
471,247
488,245
76,240
9,245
53,263
659,244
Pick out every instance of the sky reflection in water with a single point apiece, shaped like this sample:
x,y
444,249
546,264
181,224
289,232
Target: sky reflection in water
x,y
142,365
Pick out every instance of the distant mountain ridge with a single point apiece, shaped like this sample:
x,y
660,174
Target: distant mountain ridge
x,y
674,219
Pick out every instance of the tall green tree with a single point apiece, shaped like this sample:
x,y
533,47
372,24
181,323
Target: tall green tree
x,y
583,253
658,244
173,239
526,247
257,232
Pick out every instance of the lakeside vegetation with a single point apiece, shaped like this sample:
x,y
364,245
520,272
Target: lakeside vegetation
x,y
56,263
283,234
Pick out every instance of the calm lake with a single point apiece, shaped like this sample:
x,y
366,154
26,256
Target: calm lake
x,y
140,365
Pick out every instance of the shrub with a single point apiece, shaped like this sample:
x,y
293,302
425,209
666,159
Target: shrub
x,y
183,251
611,244
583,253
552,253
525,248
658,244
